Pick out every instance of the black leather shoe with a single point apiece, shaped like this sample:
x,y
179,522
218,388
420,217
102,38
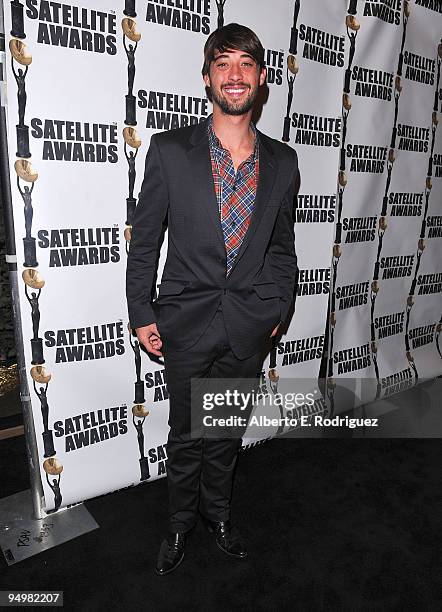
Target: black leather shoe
x,y
228,538
171,553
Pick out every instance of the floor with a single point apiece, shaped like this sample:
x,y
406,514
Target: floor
x,y
331,524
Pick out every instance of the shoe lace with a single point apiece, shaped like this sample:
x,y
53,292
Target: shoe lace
x,y
175,545
230,536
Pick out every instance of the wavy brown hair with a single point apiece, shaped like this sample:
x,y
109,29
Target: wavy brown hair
x,y
233,37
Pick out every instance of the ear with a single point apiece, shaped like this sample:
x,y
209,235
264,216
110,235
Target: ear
x,y
206,79
262,76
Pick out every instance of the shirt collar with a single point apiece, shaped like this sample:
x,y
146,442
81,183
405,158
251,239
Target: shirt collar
x,y
217,148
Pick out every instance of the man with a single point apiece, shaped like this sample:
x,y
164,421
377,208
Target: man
x,y
227,191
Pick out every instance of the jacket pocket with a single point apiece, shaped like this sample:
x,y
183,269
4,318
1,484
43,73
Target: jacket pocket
x,y
171,288
267,290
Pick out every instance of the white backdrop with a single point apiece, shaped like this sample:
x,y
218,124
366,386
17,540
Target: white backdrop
x,y
392,203
78,79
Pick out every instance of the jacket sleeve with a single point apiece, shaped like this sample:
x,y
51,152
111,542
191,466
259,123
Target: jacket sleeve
x,y
282,254
147,226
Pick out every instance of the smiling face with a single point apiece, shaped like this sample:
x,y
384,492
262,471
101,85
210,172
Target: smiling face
x,y
234,78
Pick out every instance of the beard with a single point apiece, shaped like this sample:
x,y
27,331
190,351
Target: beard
x,y
235,108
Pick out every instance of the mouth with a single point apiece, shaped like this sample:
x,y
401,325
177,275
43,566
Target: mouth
x,y
235,91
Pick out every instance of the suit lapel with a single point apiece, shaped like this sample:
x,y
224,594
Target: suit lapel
x,y
202,177
267,173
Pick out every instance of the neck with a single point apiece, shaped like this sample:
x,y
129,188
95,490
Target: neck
x,y
233,131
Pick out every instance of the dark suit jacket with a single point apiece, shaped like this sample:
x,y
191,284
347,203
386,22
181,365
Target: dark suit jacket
x,y
257,294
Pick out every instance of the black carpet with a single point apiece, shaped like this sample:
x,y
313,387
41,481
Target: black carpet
x,y
331,525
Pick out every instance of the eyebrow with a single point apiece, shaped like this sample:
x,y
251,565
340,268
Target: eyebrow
x,y
226,55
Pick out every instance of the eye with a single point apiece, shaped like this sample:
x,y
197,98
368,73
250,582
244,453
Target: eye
x,y
221,64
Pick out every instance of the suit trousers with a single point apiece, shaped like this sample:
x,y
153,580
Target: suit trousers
x,y
200,469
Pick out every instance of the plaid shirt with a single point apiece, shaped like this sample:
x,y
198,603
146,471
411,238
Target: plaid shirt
x,y
235,192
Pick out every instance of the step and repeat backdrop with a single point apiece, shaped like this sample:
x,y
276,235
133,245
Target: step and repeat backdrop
x,y
353,86
385,303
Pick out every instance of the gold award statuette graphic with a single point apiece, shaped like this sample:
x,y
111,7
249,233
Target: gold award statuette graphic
x,y
412,364
33,280
346,102
391,156
434,120
273,375
25,170
336,255
140,411
20,52
220,9
139,385
27,173
39,376
130,29
330,389
292,71
21,56
139,414
352,23
410,304
405,15
132,143
131,137
352,26
128,237
273,372
337,251
130,33
53,467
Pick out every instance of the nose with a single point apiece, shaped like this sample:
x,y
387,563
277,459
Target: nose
x,y
235,72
